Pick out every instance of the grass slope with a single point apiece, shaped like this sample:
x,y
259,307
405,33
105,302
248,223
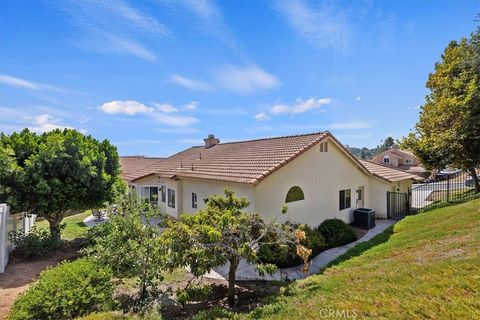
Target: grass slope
x,y
429,267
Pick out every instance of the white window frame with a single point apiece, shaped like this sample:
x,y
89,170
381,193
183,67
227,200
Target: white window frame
x,y
140,187
345,204
408,161
386,159
194,200
171,204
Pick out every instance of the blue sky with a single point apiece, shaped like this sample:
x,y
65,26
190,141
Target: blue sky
x,y
155,77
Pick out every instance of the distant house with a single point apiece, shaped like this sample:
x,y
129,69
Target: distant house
x,y
313,174
401,160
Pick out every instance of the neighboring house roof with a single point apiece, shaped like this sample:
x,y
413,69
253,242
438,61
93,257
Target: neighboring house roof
x,y
130,164
387,173
244,161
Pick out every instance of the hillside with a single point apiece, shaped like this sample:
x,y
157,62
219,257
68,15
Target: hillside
x,y
428,268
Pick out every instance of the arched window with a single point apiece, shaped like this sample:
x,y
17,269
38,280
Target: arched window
x,y
294,194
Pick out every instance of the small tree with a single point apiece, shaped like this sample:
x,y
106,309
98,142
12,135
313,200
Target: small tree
x,y
448,130
221,233
130,243
58,171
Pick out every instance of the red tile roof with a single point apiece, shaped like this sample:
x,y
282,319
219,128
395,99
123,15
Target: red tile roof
x,y
244,161
387,173
130,164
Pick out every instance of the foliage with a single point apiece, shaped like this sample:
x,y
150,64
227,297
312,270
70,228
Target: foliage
x,y
336,232
34,244
130,245
193,293
429,264
215,313
57,171
221,233
448,130
284,255
66,291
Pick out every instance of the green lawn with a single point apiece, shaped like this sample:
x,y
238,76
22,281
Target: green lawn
x,y
74,226
428,266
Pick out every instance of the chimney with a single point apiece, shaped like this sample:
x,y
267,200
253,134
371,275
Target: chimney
x,y
211,141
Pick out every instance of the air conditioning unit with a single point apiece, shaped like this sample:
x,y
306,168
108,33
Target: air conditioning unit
x,y
364,218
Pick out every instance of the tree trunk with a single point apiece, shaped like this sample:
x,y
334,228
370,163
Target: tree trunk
x,y
473,172
54,224
231,281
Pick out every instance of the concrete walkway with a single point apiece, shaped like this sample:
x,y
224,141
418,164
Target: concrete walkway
x,y
246,271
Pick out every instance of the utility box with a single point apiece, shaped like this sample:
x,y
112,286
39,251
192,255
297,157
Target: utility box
x,y
364,218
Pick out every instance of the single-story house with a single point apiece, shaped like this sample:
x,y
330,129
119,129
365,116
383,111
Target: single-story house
x,y
313,174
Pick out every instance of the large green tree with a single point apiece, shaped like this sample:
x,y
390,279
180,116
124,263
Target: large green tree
x,y
52,173
448,130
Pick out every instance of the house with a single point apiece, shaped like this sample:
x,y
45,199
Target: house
x,y
313,174
401,160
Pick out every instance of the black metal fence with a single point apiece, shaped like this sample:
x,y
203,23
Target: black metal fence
x,y
446,188
398,205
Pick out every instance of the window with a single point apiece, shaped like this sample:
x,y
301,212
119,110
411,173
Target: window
x,y
194,200
163,194
408,161
324,146
149,194
386,159
171,198
345,199
294,194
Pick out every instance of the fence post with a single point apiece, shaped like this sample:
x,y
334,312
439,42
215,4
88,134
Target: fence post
x,y
448,188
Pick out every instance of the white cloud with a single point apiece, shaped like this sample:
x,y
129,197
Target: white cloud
x,y
167,108
261,116
191,106
127,46
17,82
350,125
192,84
158,114
45,122
26,84
325,26
358,98
247,79
300,106
129,107
110,26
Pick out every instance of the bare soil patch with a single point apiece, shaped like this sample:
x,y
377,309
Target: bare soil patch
x,y
19,274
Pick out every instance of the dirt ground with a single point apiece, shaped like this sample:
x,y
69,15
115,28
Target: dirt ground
x,y
19,274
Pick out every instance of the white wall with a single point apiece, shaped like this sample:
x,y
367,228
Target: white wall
x,y
321,175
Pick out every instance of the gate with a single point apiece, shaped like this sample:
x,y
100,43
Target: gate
x,y
398,205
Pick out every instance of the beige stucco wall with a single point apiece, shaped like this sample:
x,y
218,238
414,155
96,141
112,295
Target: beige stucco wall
x,y
205,188
321,175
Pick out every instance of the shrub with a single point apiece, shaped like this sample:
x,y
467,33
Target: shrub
x,y
336,232
36,243
285,255
69,290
